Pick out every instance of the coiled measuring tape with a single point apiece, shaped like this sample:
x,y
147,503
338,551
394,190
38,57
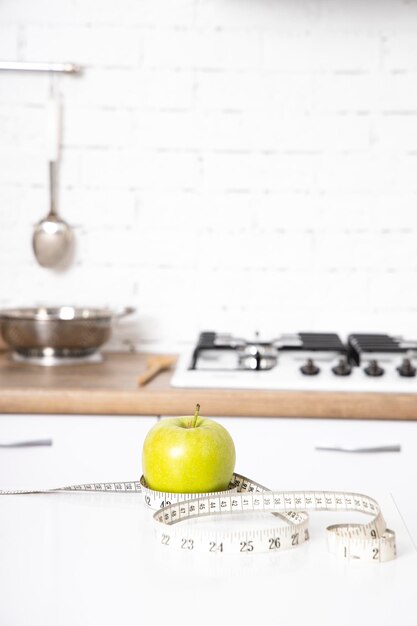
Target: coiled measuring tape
x,y
371,541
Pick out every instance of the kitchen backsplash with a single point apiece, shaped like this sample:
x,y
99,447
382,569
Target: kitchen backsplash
x,y
227,164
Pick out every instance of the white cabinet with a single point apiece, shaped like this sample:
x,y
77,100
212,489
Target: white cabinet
x,y
85,449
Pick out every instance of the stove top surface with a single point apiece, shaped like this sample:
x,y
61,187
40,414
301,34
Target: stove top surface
x,y
301,361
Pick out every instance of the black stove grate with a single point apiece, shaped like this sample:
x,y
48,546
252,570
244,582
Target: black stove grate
x,y
360,343
322,342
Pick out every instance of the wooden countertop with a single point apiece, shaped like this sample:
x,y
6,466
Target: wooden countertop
x,y
111,388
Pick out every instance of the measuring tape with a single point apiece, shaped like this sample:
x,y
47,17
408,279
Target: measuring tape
x,y
372,541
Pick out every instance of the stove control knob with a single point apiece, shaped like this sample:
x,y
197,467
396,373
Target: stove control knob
x,y
406,369
374,369
342,368
310,368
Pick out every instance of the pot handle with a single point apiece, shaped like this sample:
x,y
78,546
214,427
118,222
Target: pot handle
x,y
127,310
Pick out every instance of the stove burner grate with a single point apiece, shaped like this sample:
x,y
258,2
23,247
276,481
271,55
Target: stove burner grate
x,y
362,343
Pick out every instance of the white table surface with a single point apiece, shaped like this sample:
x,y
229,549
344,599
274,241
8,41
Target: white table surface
x,y
92,559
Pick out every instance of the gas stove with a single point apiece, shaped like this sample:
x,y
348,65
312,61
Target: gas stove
x,y
300,361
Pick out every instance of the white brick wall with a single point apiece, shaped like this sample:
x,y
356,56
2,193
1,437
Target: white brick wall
x,y
229,164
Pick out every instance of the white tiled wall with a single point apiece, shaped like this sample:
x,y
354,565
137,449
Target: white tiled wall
x,y
229,164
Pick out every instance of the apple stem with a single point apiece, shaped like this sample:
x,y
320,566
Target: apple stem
x,y
196,416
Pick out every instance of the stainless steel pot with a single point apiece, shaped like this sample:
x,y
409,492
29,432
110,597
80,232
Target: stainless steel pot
x,y
64,331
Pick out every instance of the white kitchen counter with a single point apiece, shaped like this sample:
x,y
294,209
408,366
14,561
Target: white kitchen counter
x,y
91,559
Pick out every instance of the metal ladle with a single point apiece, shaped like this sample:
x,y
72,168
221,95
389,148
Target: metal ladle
x,y
52,239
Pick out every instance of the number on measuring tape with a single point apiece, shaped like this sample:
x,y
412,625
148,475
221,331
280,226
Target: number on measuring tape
x,y
216,547
246,546
187,544
274,543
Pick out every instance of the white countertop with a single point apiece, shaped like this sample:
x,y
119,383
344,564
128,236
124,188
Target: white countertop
x,y
92,559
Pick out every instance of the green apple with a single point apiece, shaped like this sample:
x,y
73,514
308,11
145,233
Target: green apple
x,y
188,455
